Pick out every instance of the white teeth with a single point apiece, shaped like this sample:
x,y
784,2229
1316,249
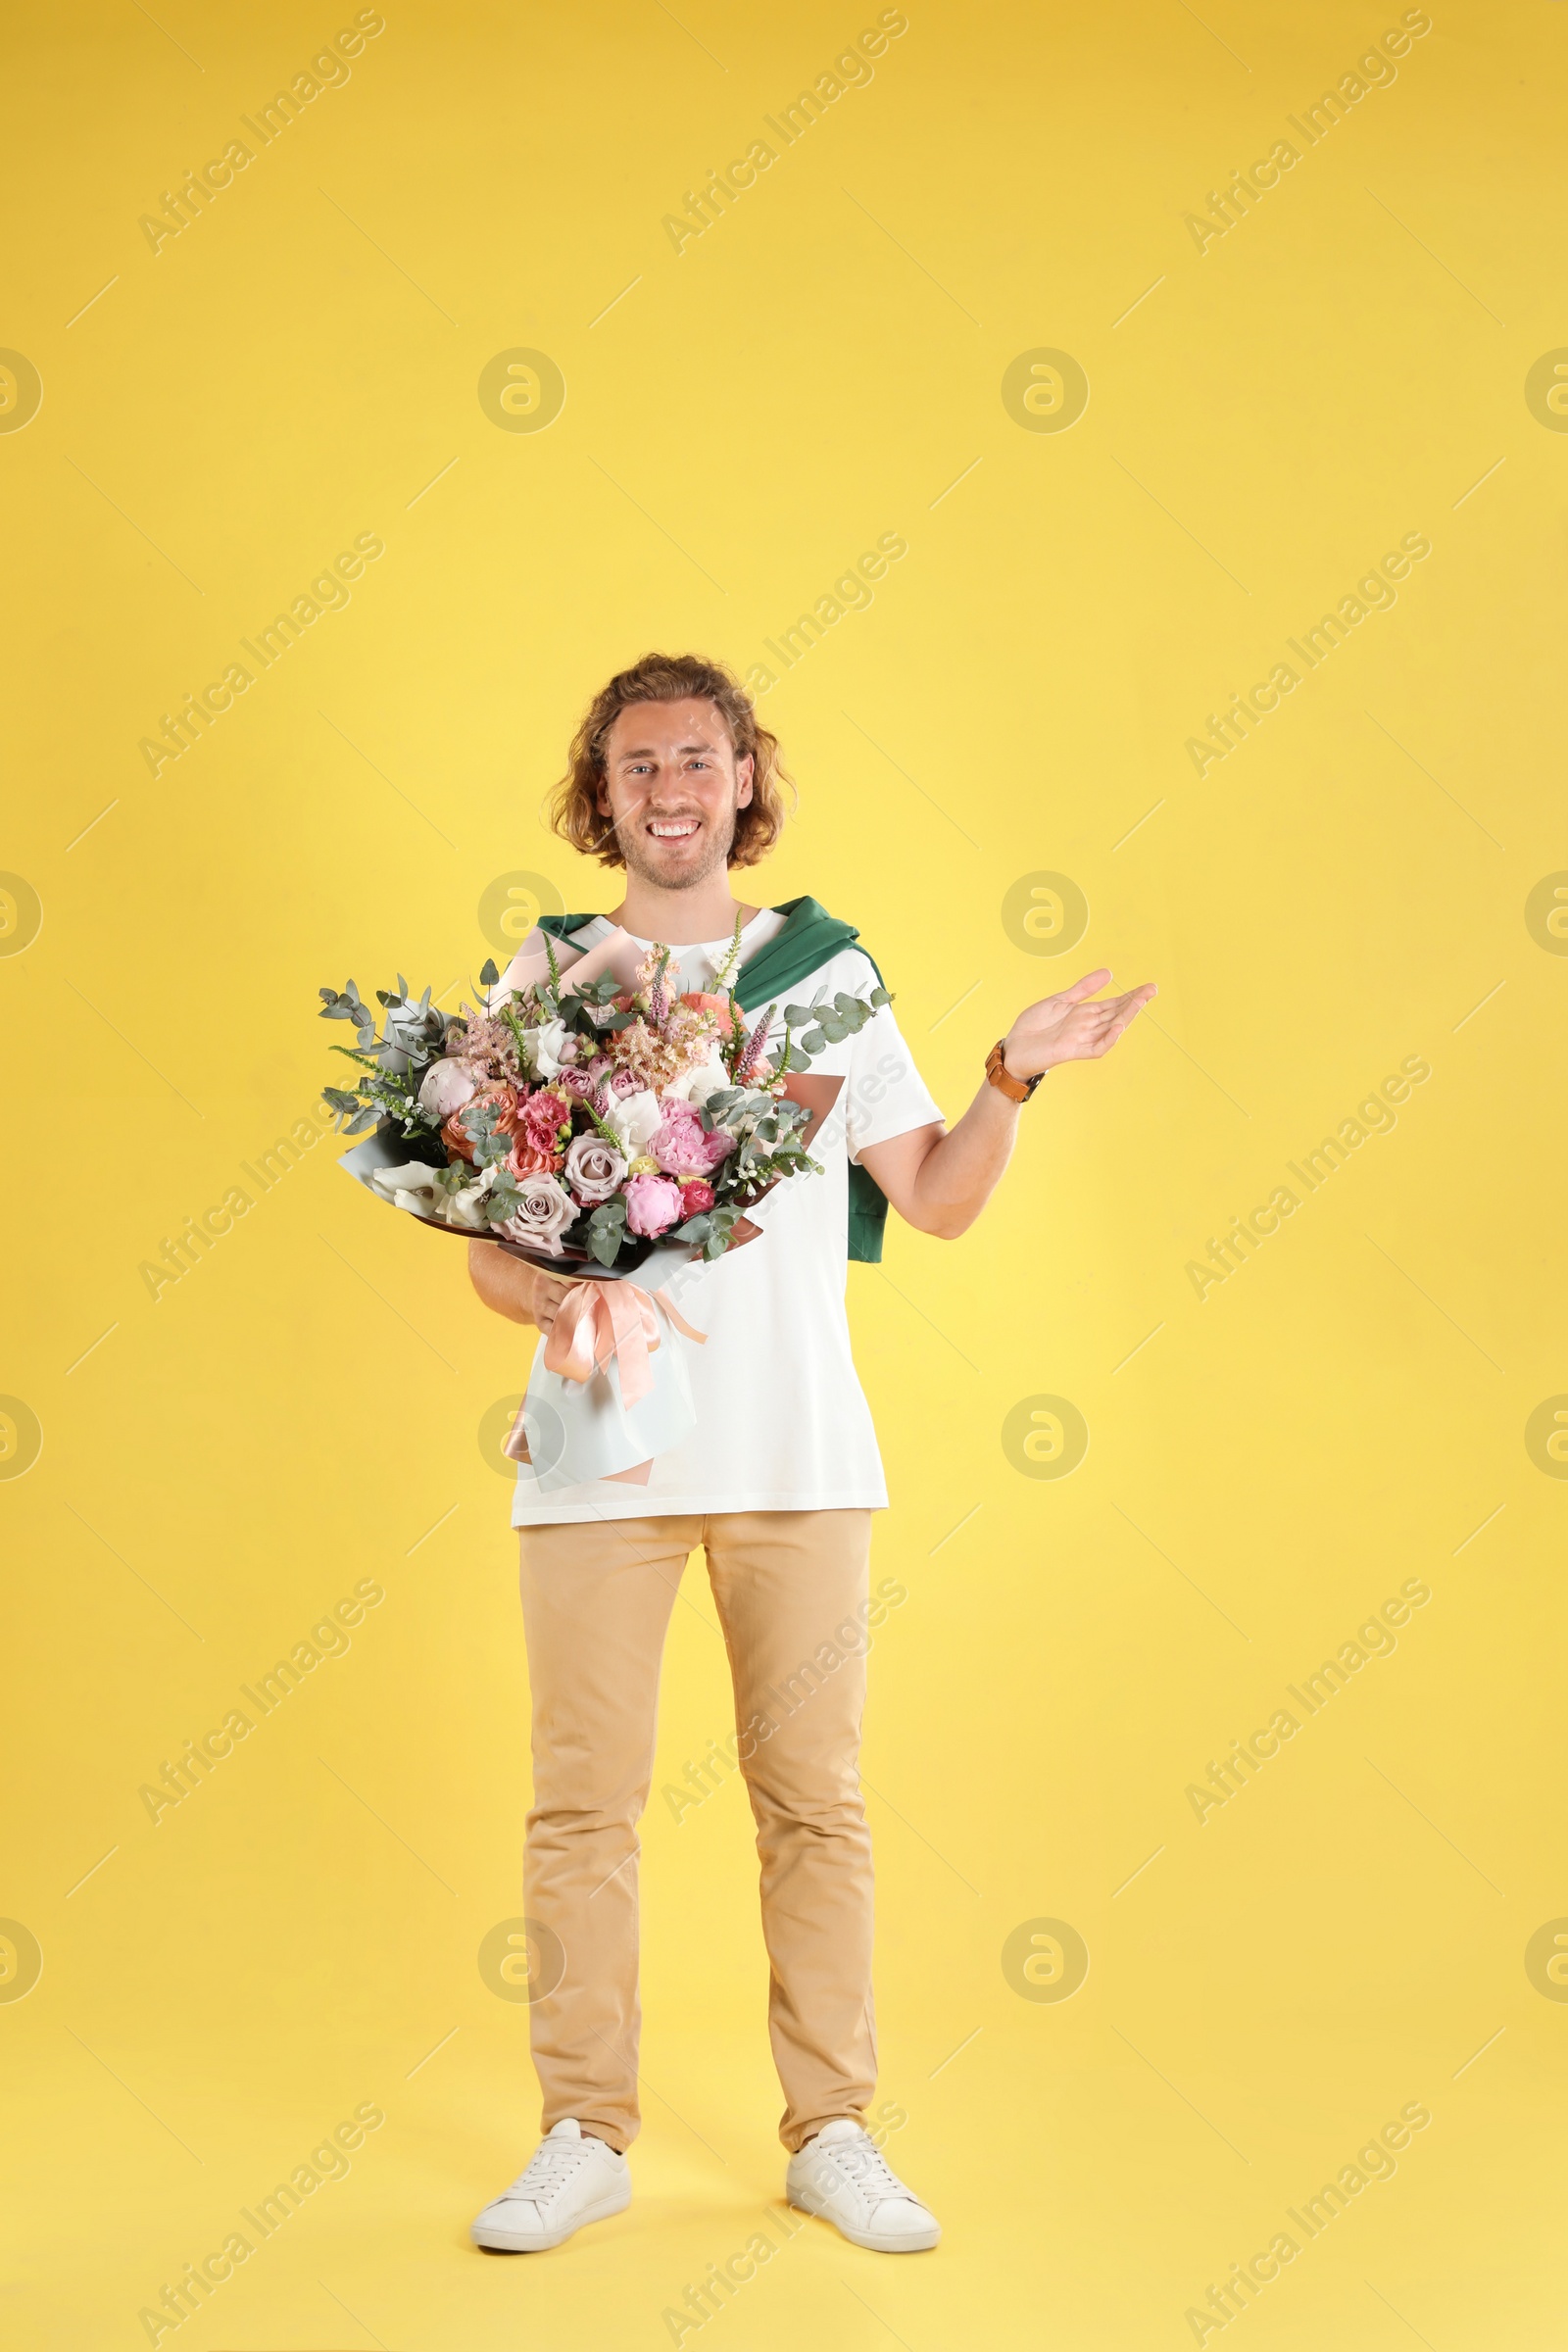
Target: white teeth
x,y
676,832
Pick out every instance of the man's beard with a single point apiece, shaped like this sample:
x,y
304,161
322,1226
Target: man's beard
x,y
635,851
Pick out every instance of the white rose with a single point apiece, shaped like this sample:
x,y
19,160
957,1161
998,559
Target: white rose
x,y
447,1084
633,1119
696,1085
544,1047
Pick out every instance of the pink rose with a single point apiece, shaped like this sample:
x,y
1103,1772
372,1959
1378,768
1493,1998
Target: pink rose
x,y
696,1196
624,1082
523,1160
652,1204
584,1083
684,1146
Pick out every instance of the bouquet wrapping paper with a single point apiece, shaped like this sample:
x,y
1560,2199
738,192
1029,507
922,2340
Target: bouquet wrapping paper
x,y
569,1430
583,1429
602,1125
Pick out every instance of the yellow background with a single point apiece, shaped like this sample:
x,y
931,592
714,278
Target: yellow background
x,y
302,1411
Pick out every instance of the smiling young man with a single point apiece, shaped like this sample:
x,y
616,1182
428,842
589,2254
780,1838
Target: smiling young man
x,y
672,779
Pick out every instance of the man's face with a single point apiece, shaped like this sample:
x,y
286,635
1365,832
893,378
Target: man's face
x,y
673,788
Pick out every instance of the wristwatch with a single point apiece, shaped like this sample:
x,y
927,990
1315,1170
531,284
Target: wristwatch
x,y
1016,1090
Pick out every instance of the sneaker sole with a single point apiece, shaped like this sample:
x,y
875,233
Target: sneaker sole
x,y
914,2242
507,2241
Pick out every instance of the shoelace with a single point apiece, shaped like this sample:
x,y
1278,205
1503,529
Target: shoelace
x,y
866,2166
547,2169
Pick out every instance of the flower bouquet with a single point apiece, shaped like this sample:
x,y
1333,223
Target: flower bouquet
x,y
588,1117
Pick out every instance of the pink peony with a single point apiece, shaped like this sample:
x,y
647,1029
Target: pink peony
x,y
684,1146
696,1196
652,1204
447,1084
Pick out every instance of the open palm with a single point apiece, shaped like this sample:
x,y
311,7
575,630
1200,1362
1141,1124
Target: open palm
x,y
1070,1028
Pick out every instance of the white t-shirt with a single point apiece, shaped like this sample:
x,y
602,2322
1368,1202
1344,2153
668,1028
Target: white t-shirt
x,y
782,1423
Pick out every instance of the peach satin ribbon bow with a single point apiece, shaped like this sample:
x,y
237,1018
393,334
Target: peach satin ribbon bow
x,y
596,1321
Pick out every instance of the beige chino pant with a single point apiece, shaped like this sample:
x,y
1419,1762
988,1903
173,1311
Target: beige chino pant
x,y
596,1599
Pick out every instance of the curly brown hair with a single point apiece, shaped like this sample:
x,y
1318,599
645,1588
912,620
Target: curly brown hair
x,y
573,810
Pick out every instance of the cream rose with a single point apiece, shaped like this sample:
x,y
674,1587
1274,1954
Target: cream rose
x,y
543,1213
594,1169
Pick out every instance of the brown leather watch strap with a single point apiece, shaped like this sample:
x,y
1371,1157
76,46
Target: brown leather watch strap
x,y
1016,1090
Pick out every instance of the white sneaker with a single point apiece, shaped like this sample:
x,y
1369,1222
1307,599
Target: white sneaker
x,y
840,2176
571,2178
